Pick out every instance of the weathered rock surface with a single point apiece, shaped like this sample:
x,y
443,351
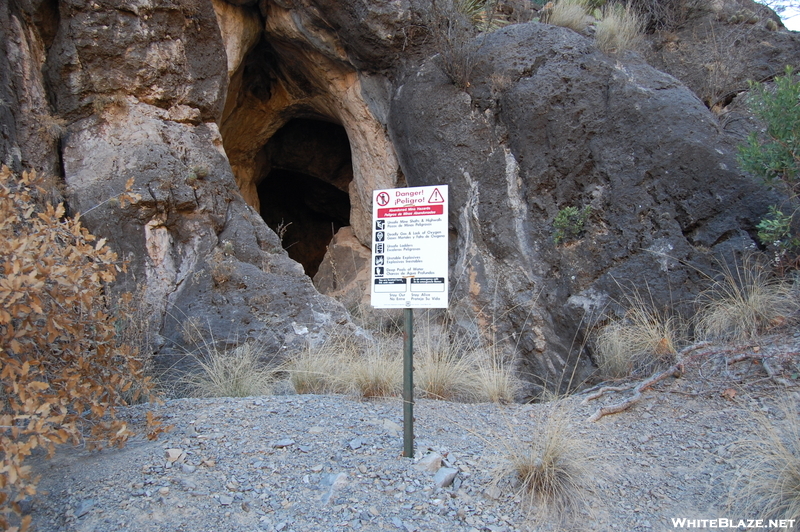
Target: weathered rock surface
x,y
203,103
143,106
549,123
721,45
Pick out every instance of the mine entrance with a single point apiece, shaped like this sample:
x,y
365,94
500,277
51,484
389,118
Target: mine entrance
x,y
303,189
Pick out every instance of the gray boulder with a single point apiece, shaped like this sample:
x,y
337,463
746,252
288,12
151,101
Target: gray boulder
x,y
548,122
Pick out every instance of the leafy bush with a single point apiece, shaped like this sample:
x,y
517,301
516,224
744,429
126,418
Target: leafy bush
x,y
63,370
775,231
569,223
774,156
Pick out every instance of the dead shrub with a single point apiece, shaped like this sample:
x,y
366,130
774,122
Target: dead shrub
x,y
63,368
454,37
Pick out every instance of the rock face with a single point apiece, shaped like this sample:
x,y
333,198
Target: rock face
x,y
549,123
720,46
249,126
141,88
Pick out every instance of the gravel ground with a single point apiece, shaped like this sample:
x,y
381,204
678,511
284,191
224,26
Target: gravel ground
x,y
333,463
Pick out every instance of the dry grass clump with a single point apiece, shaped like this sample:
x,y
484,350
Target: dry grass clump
x,y
554,472
570,14
767,465
440,369
494,378
317,369
376,373
444,367
620,29
368,368
642,340
743,302
239,372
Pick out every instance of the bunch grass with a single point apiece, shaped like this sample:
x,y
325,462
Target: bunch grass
x,y
570,14
745,300
237,372
767,478
554,472
620,28
642,340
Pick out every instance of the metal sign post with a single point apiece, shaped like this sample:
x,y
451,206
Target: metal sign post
x,y
409,268
408,383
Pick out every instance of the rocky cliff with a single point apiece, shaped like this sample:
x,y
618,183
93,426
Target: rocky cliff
x,y
253,126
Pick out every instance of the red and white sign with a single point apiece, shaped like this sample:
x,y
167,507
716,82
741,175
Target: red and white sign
x,y
409,247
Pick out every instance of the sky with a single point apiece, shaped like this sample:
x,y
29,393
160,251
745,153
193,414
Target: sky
x,y
790,16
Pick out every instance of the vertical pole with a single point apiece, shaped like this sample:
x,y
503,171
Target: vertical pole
x,y
408,383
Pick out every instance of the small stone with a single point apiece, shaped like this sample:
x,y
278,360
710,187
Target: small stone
x,y
356,444
430,462
225,500
84,508
316,430
444,477
493,492
188,468
175,455
391,426
282,444
163,490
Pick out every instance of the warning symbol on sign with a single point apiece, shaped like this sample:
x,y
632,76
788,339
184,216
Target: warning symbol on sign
x,y
383,198
436,197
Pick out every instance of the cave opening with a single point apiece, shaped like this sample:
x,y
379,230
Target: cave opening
x,y
306,170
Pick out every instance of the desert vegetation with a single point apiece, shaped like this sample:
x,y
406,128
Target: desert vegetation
x,y
64,370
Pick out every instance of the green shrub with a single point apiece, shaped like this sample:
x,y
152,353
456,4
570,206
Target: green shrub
x,y
774,156
570,223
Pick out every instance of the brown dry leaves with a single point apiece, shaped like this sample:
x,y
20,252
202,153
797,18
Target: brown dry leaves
x,y
61,369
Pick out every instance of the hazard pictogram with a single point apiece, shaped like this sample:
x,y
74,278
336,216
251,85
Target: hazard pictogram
x,y
383,199
436,197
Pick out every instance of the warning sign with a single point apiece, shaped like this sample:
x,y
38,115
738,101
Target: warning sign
x,y
409,248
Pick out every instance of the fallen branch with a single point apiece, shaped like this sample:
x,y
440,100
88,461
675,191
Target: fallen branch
x,y
674,370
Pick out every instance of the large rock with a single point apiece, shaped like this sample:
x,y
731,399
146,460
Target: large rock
x,y
719,46
549,122
197,101
29,131
143,86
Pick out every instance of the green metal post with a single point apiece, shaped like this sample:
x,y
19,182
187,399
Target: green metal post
x,y
408,383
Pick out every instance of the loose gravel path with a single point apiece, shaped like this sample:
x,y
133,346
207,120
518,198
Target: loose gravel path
x,y
332,463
